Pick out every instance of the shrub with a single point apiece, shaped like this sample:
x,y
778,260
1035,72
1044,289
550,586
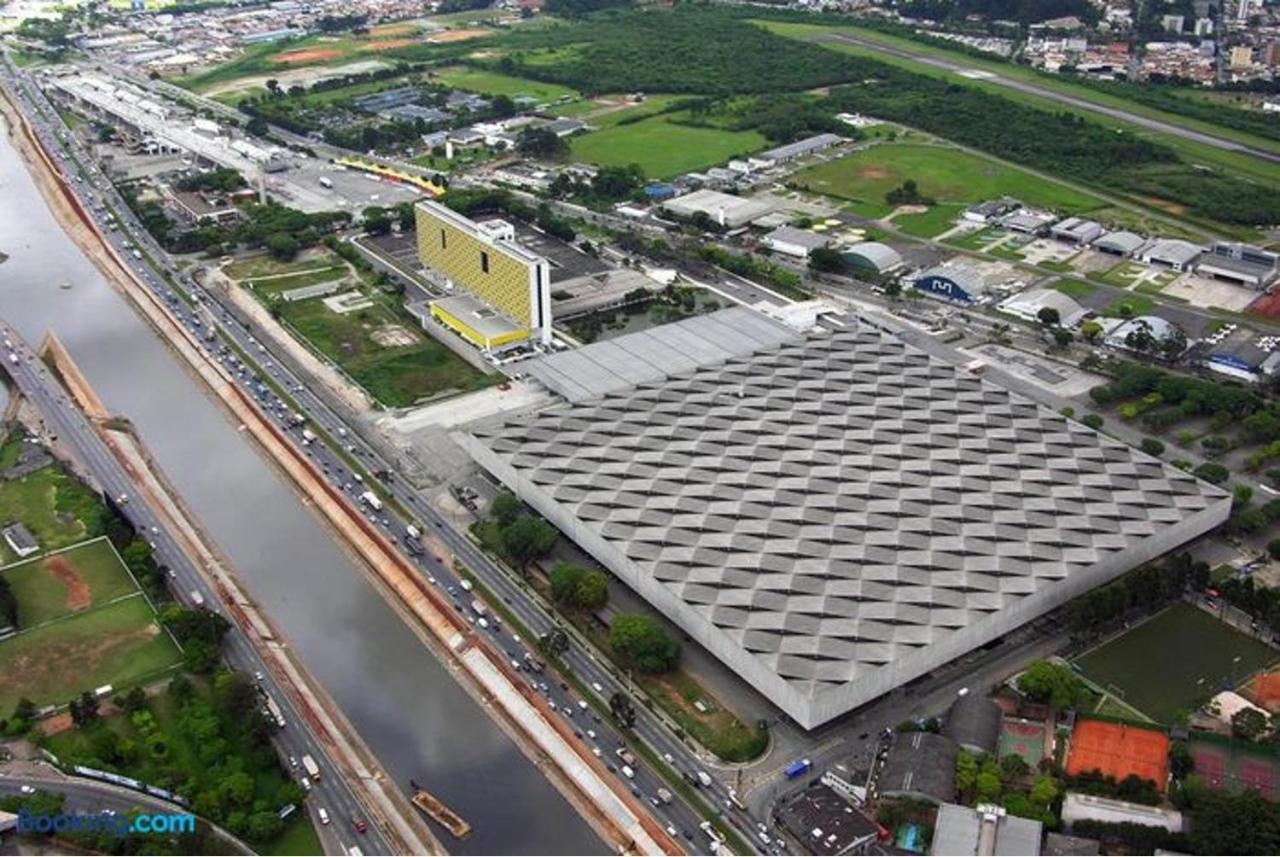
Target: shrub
x,y
1212,472
1093,421
1151,446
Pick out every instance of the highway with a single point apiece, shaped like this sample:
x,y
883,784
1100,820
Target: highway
x,y
248,361
925,57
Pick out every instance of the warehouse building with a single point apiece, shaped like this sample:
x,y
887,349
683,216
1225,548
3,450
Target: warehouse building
x,y
723,208
986,829
1244,355
1076,230
1119,243
837,514
503,291
953,281
798,149
1082,807
1029,304
873,257
1027,221
1242,264
790,241
1172,253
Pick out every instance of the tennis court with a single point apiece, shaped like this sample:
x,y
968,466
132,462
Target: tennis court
x,y
1234,769
1119,750
1023,738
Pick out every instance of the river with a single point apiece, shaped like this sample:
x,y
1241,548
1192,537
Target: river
x,y
406,706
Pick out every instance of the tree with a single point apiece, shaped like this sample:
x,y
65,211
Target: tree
x,y
1093,421
966,772
542,143
528,539
1061,338
622,709
555,642
1043,791
135,700
237,789
826,260
593,590
8,605
1152,447
1181,762
84,710
502,106
1049,316
505,509
376,220
617,182
1248,723
283,246
1054,684
642,641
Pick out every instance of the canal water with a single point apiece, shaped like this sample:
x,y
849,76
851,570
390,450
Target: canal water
x,y
405,705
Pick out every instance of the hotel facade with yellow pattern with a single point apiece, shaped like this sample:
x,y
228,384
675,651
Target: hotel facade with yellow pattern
x,y
502,291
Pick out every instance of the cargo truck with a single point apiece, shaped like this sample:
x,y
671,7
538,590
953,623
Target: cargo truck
x,y
371,500
312,769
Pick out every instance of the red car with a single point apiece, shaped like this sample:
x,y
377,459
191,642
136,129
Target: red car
x,y
359,824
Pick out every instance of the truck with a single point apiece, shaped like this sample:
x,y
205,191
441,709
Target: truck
x,y
326,182
665,796
479,607
371,500
310,766
274,711
798,768
412,531
625,755
308,436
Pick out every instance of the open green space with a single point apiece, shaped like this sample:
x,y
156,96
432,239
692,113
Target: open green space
x,y
1133,304
927,224
1075,288
58,510
1174,661
978,240
265,265
119,644
943,173
1121,275
56,585
299,839
662,147
395,375
487,82
302,279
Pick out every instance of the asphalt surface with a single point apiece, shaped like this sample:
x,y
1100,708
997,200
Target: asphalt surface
x,y
72,428
923,56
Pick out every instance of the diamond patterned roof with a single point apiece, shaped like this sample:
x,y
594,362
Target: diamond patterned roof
x,y
835,504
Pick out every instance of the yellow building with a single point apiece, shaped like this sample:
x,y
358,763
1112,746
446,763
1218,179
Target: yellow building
x,y
502,291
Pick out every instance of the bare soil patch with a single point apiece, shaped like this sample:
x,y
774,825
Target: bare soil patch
x,y
311,55
79,595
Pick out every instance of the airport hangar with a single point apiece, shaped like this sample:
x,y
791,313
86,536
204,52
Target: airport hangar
x,y
831,515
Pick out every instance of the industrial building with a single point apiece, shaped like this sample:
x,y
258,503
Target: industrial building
x,y
798,149
723,208
1243,354
1242,264
1120,334
873,257
834,515
1083,807
953,281
1172,253
984,830
824,823
1076,230
1119,243
1027,221
794,242
1028,305
504,290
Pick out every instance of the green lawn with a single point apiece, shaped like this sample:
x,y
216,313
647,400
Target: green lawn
x,y
299,839
44,585
1175,661
493,83
313,277
1075,288
662,148
1122,275
935,221
58,510
1138,304
119,644
396,376
264,265
978,240
941,172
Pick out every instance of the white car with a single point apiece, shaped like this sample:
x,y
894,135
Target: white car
x,y
28,790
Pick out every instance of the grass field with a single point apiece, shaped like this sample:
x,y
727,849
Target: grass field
x,y
264,265
1075,288
75,580
926,224
662,148
943,173
493,83
58,510
394,375
118,644
1174,661
1138,304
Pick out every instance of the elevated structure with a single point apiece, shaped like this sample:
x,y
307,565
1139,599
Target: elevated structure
x,y
836,516
504,291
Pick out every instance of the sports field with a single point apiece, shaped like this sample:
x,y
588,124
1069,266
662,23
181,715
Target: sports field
x,y
947,175
86,625
493,83
663,148
1235,768
1174,661
1119,750
1023,738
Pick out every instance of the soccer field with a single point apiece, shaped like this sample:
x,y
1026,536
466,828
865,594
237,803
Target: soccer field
x,y
72,581
1174,661
663,148
84,624
946,174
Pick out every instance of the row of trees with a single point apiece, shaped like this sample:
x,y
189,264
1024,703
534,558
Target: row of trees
x,y
1138,592
8,605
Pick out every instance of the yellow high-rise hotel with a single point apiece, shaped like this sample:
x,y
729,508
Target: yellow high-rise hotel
x,y
502,291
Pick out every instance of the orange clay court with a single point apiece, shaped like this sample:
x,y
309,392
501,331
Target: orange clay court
x,y
1119,751
1264,690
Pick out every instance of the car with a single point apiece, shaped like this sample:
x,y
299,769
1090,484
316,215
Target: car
x,y
595,685
591,733
27,790
668,758
293,761
359,825
324,815
258,676
305,783
595,751
582,703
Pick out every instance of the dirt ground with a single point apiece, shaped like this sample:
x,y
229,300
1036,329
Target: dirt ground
x,y
389,44
393,335
311,55
456,36
79,595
